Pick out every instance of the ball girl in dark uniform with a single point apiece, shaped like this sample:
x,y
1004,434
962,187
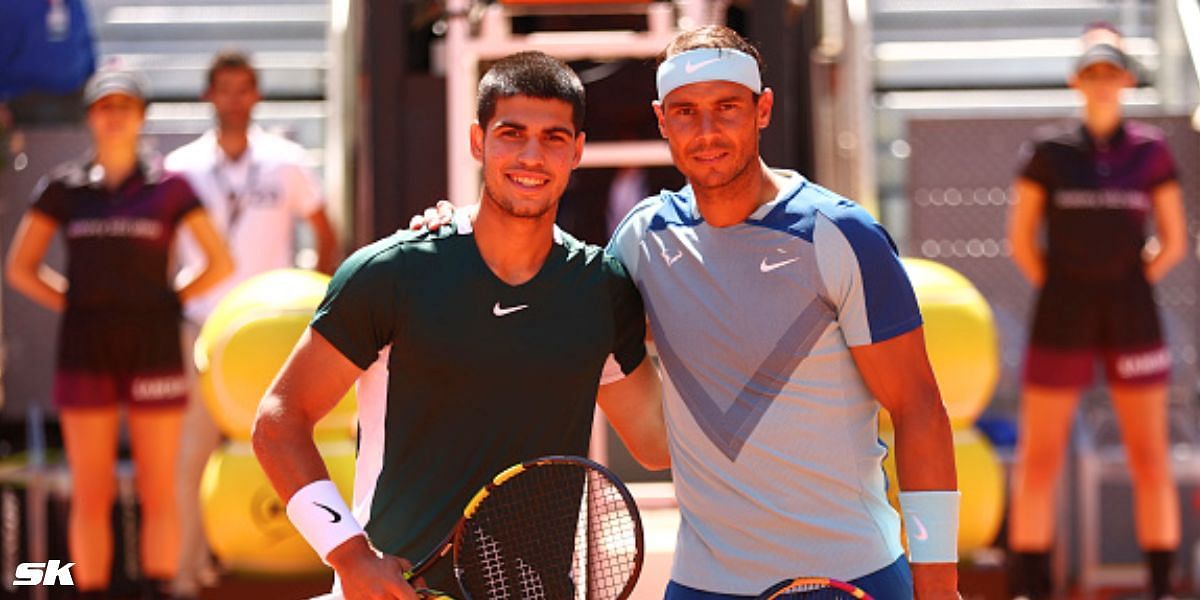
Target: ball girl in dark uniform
x,y
1092,187
118,343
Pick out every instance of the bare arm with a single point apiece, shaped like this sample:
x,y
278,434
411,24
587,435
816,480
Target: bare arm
x,y
1024,223
24,269
1170,224
326,240
218,264
313,379
310,384
634,407
898,374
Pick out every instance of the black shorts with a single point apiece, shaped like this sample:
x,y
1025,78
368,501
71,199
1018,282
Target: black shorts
x,y
1075,324
108,358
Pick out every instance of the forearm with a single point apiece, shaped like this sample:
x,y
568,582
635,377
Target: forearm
x,y
1161,262
925,463
283,443
219,267
218,264
205,280
924,447
647,442
42,284
898,373
1024,224
634,407
1169,245
935,581
1029,260
325,241
326,251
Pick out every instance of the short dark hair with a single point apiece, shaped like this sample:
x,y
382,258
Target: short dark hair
x,y
534,74
713,36
228,60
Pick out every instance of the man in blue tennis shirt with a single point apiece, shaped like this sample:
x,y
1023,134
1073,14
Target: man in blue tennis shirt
x,y
782,314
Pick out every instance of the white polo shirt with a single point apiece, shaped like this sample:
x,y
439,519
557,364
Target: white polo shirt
x,y
254,203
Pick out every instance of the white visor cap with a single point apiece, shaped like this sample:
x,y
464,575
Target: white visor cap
x,y
708,64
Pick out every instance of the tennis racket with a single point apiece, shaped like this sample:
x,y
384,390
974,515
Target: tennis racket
x,y
553,528
814,588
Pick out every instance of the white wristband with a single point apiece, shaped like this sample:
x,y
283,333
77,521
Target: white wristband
x,y
931,520
322,517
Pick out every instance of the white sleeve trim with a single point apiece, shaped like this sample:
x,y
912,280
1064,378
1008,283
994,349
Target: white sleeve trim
x,y
612,372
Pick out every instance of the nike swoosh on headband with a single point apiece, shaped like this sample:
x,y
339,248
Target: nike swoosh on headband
x,y
691,67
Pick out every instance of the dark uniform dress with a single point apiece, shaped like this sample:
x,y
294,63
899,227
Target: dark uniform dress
x,y
118,337
481,374
1096,301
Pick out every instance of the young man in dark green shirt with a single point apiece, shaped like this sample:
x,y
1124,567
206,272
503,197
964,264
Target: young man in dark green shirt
x,y
499,330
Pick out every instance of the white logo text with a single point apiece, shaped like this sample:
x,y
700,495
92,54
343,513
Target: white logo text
x,y
47,573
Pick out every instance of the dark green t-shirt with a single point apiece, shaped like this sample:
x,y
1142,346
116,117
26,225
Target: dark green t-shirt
x,y
481,375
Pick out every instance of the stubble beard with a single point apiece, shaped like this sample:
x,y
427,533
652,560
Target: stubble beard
x,y
727,183
517,209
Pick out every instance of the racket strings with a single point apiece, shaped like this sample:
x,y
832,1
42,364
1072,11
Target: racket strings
x,y
607,540
549,533
491,562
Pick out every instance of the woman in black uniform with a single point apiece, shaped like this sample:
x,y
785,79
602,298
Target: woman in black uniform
x,y
1092,186
119,334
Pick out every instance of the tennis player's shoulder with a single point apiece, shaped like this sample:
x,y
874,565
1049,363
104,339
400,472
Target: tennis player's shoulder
x,y
643,212
651,204
389,252
378,268
839,209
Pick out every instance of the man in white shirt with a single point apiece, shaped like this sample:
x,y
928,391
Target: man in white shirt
x,y
255,186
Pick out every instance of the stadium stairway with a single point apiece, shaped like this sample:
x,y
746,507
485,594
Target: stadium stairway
x,y
172,42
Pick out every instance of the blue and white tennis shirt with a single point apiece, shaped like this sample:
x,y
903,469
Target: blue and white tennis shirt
x,y
773,434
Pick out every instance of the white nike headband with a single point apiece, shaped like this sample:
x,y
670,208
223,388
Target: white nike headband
x,y
708,64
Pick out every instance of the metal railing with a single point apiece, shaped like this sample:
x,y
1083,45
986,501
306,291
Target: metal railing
x,y
1189,21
